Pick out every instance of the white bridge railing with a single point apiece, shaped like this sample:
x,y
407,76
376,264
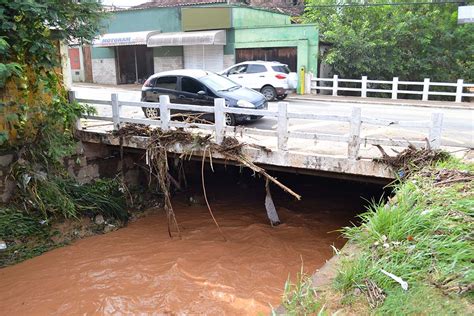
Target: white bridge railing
x,y
367,86
282,134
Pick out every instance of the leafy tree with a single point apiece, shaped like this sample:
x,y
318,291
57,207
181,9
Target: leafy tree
x,y
407,41
34,111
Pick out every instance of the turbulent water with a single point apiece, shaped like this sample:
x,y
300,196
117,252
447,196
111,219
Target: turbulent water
x,y
139,269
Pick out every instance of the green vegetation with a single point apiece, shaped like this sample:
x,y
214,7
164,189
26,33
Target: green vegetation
x,y
37,122
30,230
300,298
424,236
24,234
62,197
385,41
34,110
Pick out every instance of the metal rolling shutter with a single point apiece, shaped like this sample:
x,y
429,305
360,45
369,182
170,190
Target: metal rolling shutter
x,y
206,57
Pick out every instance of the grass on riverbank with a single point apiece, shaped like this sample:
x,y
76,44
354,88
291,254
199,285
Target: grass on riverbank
x,y
300,298
51,212
424,235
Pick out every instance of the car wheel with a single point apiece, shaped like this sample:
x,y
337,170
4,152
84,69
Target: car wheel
x,y
230,120
151,112
282,97
269,93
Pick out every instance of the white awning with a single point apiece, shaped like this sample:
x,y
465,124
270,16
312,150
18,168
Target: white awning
x,y
122,39
188,38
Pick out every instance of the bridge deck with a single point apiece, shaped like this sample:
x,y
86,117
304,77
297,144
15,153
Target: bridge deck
x,y
302,156
346,147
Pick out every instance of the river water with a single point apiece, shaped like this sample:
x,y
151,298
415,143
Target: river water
x,y
139,269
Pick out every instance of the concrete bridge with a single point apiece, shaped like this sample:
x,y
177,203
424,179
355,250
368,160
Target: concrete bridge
x,y
346,154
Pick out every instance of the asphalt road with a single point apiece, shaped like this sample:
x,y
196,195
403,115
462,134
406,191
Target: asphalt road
x,y
458,124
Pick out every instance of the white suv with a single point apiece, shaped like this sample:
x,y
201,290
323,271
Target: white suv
x,y
273,79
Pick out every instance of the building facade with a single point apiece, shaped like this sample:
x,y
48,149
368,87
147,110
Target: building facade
x,y
141,41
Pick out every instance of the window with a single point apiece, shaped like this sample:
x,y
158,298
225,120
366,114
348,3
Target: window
x,y
238,70
191,85
253,69
166,83
281,68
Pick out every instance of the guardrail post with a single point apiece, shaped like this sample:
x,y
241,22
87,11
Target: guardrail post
x,y
354,134
282,126
164,112
435,130
394,88
115,111
71,95
334,85
219,119
363,86
459,88
426,89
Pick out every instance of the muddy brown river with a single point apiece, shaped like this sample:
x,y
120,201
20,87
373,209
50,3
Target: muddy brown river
x,y
139,269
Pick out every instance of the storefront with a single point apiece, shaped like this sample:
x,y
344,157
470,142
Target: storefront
x,y
141,42
134,60
201,50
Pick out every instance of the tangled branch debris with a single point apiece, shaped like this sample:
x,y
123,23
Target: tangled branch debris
x,y
447,176
162,141
411,159
375,295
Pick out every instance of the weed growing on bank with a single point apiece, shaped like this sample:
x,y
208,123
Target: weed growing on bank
x,y
300,298
29,226
423,236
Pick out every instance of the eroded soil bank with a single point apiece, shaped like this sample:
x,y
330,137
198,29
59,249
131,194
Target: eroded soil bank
x,y
139,269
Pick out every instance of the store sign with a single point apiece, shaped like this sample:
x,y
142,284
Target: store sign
x,y
116,41
122,39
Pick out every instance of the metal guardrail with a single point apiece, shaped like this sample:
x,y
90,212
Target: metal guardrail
x,y
282,134
365,87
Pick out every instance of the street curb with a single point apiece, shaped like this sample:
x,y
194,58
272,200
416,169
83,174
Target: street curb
x,y
442,106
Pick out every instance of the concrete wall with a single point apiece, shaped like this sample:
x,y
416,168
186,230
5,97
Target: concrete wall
x,y
206,18
167,58
94,161
229,60
167,63
252,17
162,19
104,71
304,37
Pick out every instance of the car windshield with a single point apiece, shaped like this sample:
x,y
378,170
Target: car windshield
x,y
218,83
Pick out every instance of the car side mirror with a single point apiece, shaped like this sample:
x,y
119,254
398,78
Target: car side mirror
x,y
201,93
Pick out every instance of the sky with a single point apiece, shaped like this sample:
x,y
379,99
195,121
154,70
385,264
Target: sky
x,y
125,3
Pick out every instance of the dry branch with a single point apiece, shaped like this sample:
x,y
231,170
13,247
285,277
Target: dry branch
x,y
162,141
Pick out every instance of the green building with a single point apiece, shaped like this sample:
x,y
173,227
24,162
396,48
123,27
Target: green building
x,y
142,41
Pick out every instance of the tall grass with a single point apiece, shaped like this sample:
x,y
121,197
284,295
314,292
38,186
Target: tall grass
x,y
300,298
62,196
425,236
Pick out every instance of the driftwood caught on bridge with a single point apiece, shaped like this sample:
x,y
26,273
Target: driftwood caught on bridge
x,y
161,141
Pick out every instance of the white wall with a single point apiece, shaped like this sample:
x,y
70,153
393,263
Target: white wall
x,y
166,63
104,71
